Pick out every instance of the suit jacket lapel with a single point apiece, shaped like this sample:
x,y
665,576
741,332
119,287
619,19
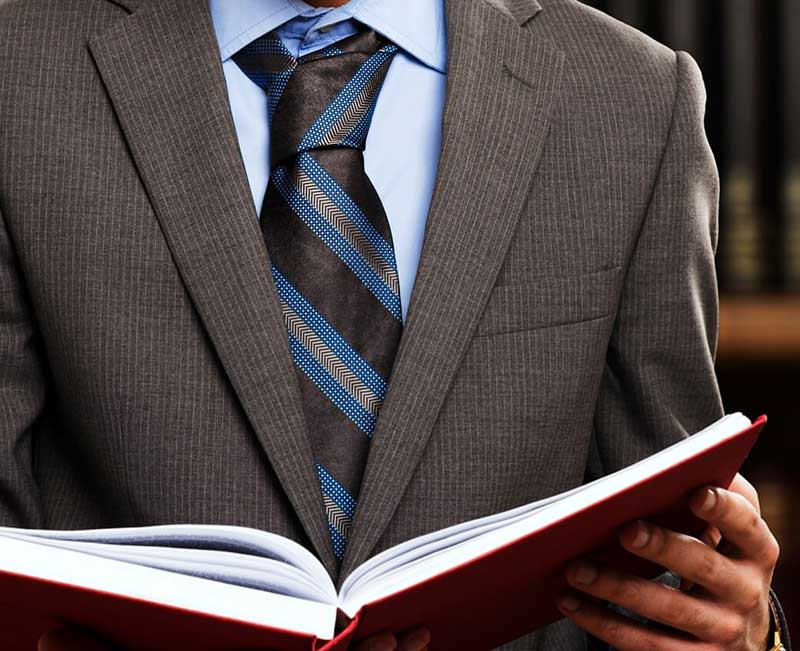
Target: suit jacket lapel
x,y
502,80
163,75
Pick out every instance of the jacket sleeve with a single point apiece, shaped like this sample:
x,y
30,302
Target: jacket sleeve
x,y
659,383
22,393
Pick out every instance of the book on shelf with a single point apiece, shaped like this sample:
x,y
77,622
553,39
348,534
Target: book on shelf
x,y
476,585
790,241
744,256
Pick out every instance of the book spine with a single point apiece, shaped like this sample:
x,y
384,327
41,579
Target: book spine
x,y
791,239
743,263
790,242
628,11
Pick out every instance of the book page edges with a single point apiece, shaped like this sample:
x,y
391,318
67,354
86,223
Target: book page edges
x,y
181,594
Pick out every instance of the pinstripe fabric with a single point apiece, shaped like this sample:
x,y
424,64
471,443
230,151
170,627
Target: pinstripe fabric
x,y
143,358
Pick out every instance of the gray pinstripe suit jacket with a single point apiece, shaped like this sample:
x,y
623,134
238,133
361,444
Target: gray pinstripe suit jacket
x,y
563,322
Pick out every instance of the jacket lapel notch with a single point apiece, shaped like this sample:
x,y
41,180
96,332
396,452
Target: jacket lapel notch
x,y
521,11
163,75
502,83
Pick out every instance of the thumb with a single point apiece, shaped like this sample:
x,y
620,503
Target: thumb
x,y
70,639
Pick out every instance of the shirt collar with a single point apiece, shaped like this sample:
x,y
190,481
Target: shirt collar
x,y
416,26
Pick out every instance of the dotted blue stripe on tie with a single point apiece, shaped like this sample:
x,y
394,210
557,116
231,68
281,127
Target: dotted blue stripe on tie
x,y
334,391
273,83
325,331
337,243
336,492
338,541
276,89
342,498
272,46
332,51
338,196
345,98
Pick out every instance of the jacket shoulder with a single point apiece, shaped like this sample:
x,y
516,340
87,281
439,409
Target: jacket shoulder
x,y
36,31
605,49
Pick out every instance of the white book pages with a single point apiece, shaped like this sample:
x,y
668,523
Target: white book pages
x,y
411,550
225,567
180,537
167,588
466,548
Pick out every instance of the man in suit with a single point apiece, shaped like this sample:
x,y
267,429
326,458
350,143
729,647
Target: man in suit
x,y
205,285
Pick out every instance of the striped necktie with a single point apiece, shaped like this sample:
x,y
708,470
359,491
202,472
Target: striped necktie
x,y
331,249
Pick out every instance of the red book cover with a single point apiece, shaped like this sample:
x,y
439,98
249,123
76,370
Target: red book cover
x,y
493,599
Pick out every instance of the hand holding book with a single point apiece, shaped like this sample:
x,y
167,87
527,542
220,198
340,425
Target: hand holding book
x,y
744,579
729,610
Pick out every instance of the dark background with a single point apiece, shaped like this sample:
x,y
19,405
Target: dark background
x,y
749,52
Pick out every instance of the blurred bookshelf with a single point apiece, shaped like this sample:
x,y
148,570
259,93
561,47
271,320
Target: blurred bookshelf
x,y
749,53
764,327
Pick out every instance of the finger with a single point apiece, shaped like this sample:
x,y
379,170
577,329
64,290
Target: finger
x,y
654,601
70,639
416,639
711,537
620,632
739,523
380,642
687,557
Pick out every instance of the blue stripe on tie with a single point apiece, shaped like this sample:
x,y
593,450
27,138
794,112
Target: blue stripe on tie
x,y
338,540
342,498
338,244
335,193
274,46
276,89
335,392
325,331
273,83
332,51
345,98
336,492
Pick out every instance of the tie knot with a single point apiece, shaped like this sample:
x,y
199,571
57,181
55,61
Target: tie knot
x,y
320,100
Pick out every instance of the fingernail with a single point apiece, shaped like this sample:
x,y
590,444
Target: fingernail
x,y
709,500
569,604
585,573
642,536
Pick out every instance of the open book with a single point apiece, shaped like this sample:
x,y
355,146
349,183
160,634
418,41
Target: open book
x,y
476,585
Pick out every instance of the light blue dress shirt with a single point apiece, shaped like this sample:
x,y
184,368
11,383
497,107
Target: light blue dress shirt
x,y
402,148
